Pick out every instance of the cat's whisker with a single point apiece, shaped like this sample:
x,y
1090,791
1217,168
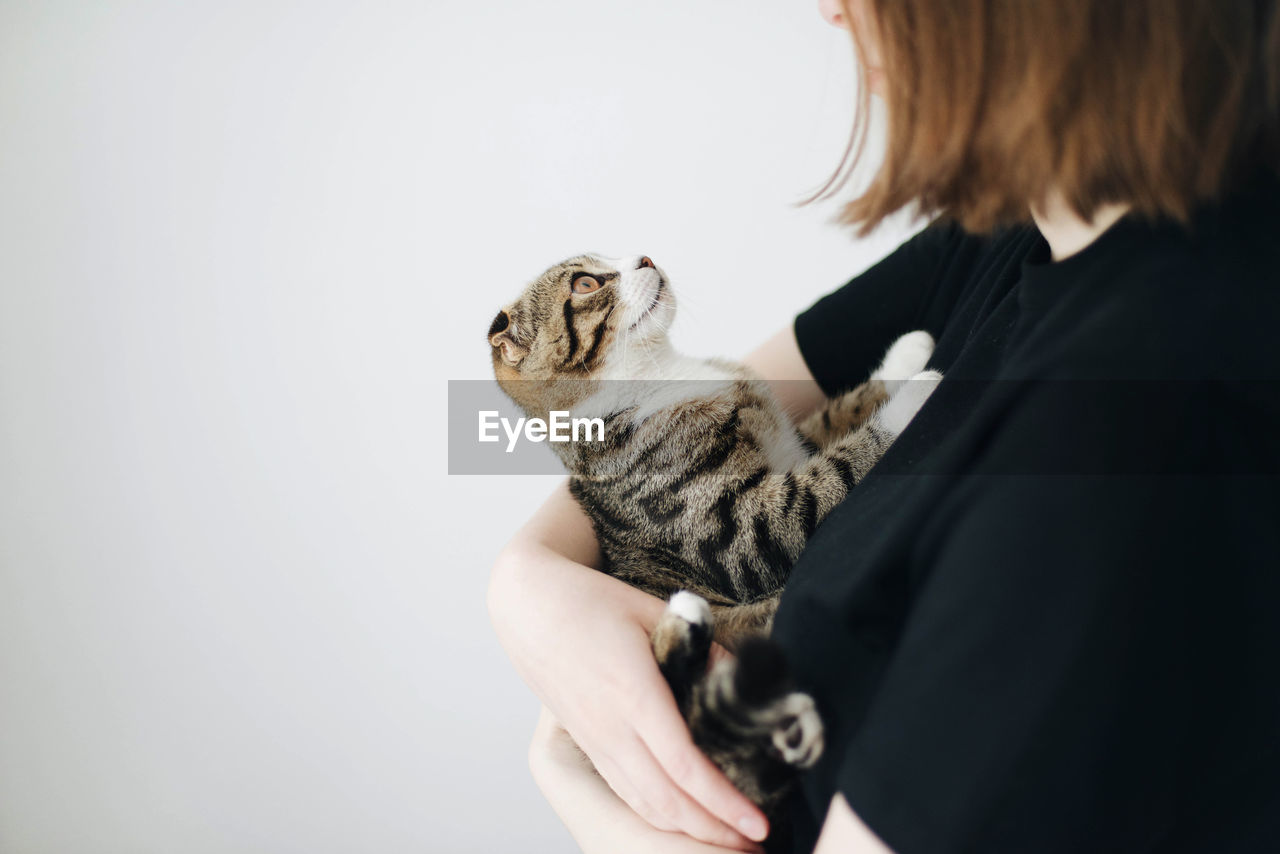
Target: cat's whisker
x,y
692,312
691,307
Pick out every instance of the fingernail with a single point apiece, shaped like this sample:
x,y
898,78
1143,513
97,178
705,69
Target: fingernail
x,y
752,827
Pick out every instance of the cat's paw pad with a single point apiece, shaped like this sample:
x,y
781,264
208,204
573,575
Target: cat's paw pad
x,y
682,638
895,415
798,735
906,358
690,607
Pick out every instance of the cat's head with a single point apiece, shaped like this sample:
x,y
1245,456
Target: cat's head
x,y
589,317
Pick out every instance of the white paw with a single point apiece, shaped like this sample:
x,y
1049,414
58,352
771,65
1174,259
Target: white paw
x,y
690,607
895,415
798,736
906,357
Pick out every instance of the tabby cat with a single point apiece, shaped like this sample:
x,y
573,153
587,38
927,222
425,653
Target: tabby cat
x,y
701,489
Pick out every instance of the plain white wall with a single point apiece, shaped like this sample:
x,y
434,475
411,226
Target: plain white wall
x,y
243,246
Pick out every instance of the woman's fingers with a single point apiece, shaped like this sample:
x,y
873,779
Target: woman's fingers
x,y
598,819
668,772
598,675
667,737
625,789
646,788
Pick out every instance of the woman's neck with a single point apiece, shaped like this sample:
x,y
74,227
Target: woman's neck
x,y
1063,228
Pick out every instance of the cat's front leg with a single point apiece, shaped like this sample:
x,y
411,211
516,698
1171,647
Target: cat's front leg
x,y
788,508
906,357
841,415
762,522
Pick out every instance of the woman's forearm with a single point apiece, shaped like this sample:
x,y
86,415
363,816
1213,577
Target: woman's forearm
x,y
556,550
561,525
779,363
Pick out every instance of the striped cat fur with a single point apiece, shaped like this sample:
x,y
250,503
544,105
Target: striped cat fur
x,y
702,490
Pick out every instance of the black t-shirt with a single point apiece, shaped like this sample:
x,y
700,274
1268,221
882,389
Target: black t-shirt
x,y
1049,619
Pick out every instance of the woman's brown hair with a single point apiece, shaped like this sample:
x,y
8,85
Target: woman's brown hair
x,y
1161,104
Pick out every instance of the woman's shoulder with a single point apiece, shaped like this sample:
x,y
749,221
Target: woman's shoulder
x,y
1167,299
1225,261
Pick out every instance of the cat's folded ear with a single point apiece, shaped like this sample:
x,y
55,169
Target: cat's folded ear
x,y
501,334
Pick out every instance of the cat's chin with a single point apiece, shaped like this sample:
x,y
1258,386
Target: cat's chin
x,y
656,305
647,357
647,328
656,320
650,342
649,337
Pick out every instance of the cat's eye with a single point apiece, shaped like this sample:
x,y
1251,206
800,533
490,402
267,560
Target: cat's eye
x,y
585,284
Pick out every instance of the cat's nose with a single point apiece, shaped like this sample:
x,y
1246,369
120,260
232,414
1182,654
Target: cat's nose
x,y
645,261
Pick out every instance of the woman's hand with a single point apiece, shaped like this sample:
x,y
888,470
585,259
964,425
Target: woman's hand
x,y
580,639
598,820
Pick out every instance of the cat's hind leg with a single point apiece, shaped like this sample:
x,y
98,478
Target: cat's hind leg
x,y
745,703
756,691
743,713
681,644
749,721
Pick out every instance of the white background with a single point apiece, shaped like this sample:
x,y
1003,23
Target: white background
x,y
243,246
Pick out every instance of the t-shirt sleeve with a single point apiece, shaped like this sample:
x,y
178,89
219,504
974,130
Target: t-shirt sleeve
x,y
1072,635
843,335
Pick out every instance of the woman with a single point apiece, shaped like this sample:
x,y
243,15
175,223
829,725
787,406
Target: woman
x,y
1046,620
